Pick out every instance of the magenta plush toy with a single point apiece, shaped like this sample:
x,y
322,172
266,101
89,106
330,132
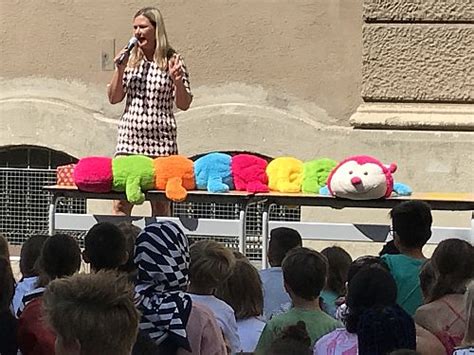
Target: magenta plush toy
x,y
94,174
361,177
249,174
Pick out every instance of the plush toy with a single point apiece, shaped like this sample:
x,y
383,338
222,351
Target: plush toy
x,y
315,174
361,177
175,175
94,174
285,174
213,172
248,172
133,174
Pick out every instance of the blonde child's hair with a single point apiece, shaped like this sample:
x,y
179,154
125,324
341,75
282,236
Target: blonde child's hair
x,y
469,335
211,264
163,50
97,310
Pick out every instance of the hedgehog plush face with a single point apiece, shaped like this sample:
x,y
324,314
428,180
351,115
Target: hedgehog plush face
x,y
361,178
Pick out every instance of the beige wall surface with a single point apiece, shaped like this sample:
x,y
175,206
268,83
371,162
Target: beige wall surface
x,y
279,77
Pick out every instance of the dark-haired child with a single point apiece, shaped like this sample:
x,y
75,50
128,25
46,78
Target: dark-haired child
x,y
411,225
275,299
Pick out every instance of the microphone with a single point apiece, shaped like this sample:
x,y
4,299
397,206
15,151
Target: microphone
x,y
131,43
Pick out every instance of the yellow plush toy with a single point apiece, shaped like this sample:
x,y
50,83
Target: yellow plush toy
x,y
285,174
175,175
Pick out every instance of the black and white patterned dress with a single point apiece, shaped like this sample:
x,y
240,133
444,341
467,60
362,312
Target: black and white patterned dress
x,y
148,125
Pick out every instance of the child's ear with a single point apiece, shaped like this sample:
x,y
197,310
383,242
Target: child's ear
x,y
124,258
85,257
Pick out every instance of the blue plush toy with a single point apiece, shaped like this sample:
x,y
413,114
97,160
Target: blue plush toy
x,y
213,172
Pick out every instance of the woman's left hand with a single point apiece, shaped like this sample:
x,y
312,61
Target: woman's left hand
x,y
175,68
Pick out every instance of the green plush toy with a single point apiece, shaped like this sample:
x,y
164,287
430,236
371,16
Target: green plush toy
x,y
315,174
133,174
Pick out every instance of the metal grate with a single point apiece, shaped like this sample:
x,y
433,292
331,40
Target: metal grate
x,y
253,223
24,206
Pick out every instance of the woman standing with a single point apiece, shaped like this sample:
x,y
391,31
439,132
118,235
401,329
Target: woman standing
x,y
151,80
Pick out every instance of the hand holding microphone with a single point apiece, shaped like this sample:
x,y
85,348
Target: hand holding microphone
x,y
122,57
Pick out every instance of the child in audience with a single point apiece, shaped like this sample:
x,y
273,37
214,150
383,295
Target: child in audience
x,y
29,255
105,247
411,224
293,340
275,299
371,287
304,275
169,316
467,345
384,329
60,257
443,315
130,232
243,292
211,264
8,323
339,262
92,314
389,248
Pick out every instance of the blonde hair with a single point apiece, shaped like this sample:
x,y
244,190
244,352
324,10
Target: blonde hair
x,y
244,277
469,335
97,310
211,264
163,50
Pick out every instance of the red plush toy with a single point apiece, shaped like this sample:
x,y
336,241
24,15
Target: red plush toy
x,y
249,173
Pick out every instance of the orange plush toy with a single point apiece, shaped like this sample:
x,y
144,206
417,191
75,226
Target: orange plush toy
x,y
175,175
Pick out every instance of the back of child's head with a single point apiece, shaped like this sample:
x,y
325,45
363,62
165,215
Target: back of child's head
x,y
60,257
384,329
453,264
244,277
362,262
4,249
130,232
372,286
105,246
7,284
293,340
95,310
304,272
427,279
339,262
411,222
30,253
211,264
282,240
469,299
405,352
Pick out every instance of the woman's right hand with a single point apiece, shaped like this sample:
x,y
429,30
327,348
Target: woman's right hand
x,y
123,65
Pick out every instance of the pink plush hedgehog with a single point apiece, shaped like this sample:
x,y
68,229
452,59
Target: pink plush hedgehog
x,y
94,174
361,177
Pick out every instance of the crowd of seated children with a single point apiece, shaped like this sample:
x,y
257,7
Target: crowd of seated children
x,y
443,313
92,314
29,255
168,314
60,257
339,262
304,275
211,264
275,299
243,292
8,322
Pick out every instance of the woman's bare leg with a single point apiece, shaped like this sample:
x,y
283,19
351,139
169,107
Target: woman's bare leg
x,y
122,208
160,208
